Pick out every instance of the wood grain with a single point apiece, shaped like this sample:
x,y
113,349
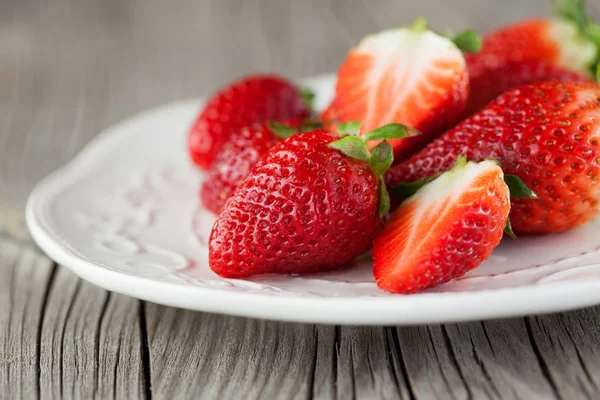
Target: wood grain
x,y
69,68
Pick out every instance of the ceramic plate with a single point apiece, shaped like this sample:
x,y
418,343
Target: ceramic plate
x,y
124,215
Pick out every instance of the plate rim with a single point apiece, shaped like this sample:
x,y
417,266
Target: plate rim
x,y
389,310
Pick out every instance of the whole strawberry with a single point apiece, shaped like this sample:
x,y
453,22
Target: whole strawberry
x,y
411,76
547,134
257,98
532,51
450,226
312,203
239,155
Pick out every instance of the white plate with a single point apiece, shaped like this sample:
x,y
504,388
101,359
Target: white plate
x,y
125,216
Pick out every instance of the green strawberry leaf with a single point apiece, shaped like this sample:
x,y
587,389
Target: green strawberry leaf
x,y
282,130
384,199
309,98
518,189
508,230
390,131
405,190
350,128
381,158
598,73
352,146
468,41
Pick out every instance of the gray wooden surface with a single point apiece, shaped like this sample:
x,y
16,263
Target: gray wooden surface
x,y
69,68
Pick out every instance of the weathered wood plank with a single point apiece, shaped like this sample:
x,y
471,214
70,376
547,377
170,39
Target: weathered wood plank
x,y
430,365
497,360
211,356
90,343
24,278
568,348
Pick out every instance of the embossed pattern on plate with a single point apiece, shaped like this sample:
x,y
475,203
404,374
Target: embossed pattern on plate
x,y
125,215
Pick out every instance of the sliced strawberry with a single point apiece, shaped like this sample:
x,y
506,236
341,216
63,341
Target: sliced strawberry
x,y
411,76
447,228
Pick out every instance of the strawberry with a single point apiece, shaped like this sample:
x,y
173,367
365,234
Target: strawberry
x,y
256,98
547,134
547,47
239,155
450,226
311,204
411,76
488,83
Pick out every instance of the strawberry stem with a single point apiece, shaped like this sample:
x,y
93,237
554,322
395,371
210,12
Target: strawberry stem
x,y
419,25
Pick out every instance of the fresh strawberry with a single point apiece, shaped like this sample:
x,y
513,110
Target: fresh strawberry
x,y
547,134
311,204
488,83
450,226
257,98
411,76
532,51
239,155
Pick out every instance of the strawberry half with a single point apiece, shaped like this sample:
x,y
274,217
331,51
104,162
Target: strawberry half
x,y
257,98
239,155
311,204
450,226
547,134
411,76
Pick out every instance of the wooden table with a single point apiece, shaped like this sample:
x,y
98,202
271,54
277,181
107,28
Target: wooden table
x,y
69,68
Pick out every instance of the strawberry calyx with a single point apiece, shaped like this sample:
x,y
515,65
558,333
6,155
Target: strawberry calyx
x,y
517,188
468,41
575,12
285,131
380,159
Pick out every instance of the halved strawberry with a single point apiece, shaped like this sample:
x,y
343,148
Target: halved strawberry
x,y
411,76
447,228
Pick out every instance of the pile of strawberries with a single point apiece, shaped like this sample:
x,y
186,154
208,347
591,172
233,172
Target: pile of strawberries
x,y
432,148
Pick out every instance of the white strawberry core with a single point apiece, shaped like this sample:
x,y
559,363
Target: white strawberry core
x,y
576,52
